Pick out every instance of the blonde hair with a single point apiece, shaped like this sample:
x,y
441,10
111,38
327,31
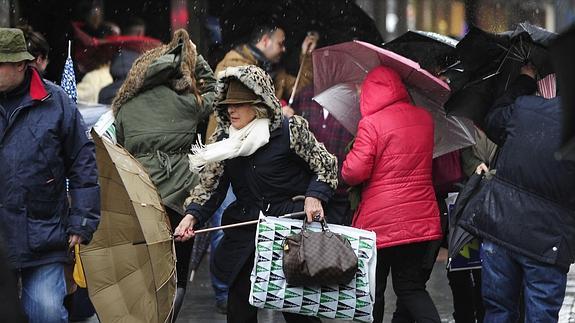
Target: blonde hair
x,y
261,111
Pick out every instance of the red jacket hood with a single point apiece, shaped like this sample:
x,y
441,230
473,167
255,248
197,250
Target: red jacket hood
x,y
381,88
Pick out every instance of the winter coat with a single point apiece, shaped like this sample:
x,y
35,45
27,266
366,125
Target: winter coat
x,y
156,122
283,82
482,152
42,143
529,206
292,163
119,69
92,83
391,157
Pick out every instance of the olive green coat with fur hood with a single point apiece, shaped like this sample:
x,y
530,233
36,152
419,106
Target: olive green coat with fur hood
x,y
168,91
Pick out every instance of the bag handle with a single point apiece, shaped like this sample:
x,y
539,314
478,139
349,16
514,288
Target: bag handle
x,y
323,223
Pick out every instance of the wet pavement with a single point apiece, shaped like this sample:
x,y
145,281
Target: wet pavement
x,y
199,304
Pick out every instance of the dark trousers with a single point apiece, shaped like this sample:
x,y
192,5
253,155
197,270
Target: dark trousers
x,y
466,289
183,251
239,308
409,274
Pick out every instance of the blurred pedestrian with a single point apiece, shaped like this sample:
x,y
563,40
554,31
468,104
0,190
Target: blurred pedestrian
x,y
94,81
526,214
268,159
135,26
265,50
169,90
99,75
328,131
391,158
94,24
119,69
43,142
122,61
37,46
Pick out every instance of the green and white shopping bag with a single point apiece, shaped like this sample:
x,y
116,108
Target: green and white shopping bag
x,y
353,301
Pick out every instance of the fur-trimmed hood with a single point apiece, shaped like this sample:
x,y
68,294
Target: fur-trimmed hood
x,y
172,64
259,82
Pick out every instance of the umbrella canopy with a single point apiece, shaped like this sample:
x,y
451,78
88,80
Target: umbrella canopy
x,y
336,21
434,52
130,263
459,237
491,62
562,53
340,69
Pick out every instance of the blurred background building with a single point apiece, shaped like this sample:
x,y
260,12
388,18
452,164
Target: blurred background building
x,y
200,17
451,17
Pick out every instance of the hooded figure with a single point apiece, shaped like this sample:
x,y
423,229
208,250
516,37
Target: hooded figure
x,y
168,91
268,159
392,159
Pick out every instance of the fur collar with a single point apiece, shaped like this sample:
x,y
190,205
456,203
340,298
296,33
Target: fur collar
x,y
258,81
135,79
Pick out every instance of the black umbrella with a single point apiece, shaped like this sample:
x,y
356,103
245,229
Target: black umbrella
x,y
434,52
467,197
491,62
562,53
336,21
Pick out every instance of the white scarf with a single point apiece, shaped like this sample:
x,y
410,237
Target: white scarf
x,y
242,142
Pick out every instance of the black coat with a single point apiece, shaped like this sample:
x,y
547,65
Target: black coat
x,y
119,69
266,181
529,207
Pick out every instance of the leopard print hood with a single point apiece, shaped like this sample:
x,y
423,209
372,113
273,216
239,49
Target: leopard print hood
x,y
136,79
259,82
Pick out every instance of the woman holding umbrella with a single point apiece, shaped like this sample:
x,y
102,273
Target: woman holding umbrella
x,y
392,159
268,159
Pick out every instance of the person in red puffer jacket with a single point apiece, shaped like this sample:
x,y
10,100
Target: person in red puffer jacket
x,y
391,159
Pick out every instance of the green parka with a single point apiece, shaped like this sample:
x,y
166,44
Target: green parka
x,y
157,111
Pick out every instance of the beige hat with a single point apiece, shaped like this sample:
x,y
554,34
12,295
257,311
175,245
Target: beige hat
x,y
238,93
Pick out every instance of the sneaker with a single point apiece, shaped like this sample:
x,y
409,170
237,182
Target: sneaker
x,y
222,307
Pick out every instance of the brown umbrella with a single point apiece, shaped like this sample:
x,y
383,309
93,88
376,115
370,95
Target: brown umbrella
x,y
130,262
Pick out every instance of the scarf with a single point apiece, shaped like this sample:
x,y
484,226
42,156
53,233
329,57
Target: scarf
x,y
242,142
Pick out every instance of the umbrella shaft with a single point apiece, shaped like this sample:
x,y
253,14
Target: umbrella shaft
x,y
292,96
241,224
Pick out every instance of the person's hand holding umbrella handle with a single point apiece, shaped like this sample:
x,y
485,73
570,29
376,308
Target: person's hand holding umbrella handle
x,y
481,168
313,209
185,230
74,240
529,70
309,42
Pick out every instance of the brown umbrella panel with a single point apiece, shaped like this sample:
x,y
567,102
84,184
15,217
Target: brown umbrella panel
x,y
130,263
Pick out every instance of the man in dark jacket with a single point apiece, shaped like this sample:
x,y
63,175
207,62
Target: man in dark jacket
x,y
526,213
121,65
43,142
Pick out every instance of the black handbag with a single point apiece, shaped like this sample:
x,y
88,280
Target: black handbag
x,y
318,258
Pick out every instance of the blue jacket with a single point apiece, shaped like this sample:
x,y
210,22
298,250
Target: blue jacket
x,y
529,206
42,142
